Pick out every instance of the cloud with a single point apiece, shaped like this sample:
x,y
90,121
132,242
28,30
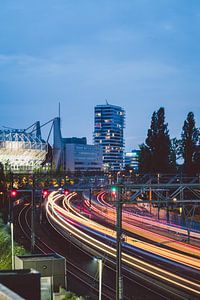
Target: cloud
x,y
89,67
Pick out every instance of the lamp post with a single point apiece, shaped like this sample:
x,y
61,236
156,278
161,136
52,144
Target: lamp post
x,y
118,174
12,196
100,270
33,216
12,244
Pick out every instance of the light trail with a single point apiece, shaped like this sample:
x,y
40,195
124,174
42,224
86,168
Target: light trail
x,y
149,221
63,219
165,253
110,214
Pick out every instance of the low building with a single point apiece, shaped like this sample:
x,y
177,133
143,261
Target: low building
x,y
80,157
52,269
132,160
74,154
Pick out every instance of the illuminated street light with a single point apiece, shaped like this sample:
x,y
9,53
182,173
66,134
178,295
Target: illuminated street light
x,y
13,194
118,173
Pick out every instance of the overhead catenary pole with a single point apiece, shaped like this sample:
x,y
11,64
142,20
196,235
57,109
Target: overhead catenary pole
x,y
119,241
59,109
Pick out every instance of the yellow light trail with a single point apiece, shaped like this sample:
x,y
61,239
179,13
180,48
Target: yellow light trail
x,y
169,254
56,213
110,214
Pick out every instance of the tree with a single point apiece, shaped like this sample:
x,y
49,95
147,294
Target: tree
x,y
144,159
197,160
189,144
156,152
175,154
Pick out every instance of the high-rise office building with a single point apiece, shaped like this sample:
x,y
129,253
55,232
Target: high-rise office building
x,y
109,123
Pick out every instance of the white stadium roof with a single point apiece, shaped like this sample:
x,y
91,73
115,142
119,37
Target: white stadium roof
x,y
21,151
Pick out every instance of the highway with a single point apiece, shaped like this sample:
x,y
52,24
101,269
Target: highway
x,y
62,214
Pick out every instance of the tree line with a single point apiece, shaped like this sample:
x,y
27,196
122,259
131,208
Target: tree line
x,y
161,154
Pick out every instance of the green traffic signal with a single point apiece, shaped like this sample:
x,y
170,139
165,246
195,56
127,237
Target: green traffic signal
x,y
113,188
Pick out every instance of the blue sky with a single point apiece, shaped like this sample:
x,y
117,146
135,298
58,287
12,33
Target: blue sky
x,y
139,54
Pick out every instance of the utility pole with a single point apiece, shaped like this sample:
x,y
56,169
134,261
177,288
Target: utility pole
x,y
167,206
90,202
119,241
90,197
150,198
33,216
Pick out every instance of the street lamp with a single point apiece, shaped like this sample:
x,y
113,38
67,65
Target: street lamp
x,y
12,197
118,173
100,269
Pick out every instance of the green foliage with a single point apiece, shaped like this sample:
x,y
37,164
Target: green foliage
x,y
189,145
156,153
145,161
2,178
66,295
5,248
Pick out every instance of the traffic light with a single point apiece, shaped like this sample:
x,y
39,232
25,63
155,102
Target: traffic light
x,y
114,191
66,192
13,193
45,193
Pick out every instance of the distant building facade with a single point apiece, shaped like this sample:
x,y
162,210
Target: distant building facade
x,y
109,123
132,160
74,154
82,157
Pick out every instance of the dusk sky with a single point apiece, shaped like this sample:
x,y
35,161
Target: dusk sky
x,y
138,54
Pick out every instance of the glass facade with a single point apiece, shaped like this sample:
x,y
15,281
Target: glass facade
x,y
132,159
109,123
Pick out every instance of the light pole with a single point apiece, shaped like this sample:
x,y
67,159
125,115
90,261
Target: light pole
x,y
12,244
118,173
100,270
33,216
12,197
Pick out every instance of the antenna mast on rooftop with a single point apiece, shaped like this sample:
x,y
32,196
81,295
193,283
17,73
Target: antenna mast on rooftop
x,y
59,109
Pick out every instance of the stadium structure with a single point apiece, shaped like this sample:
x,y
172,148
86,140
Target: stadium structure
x,y
22,150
